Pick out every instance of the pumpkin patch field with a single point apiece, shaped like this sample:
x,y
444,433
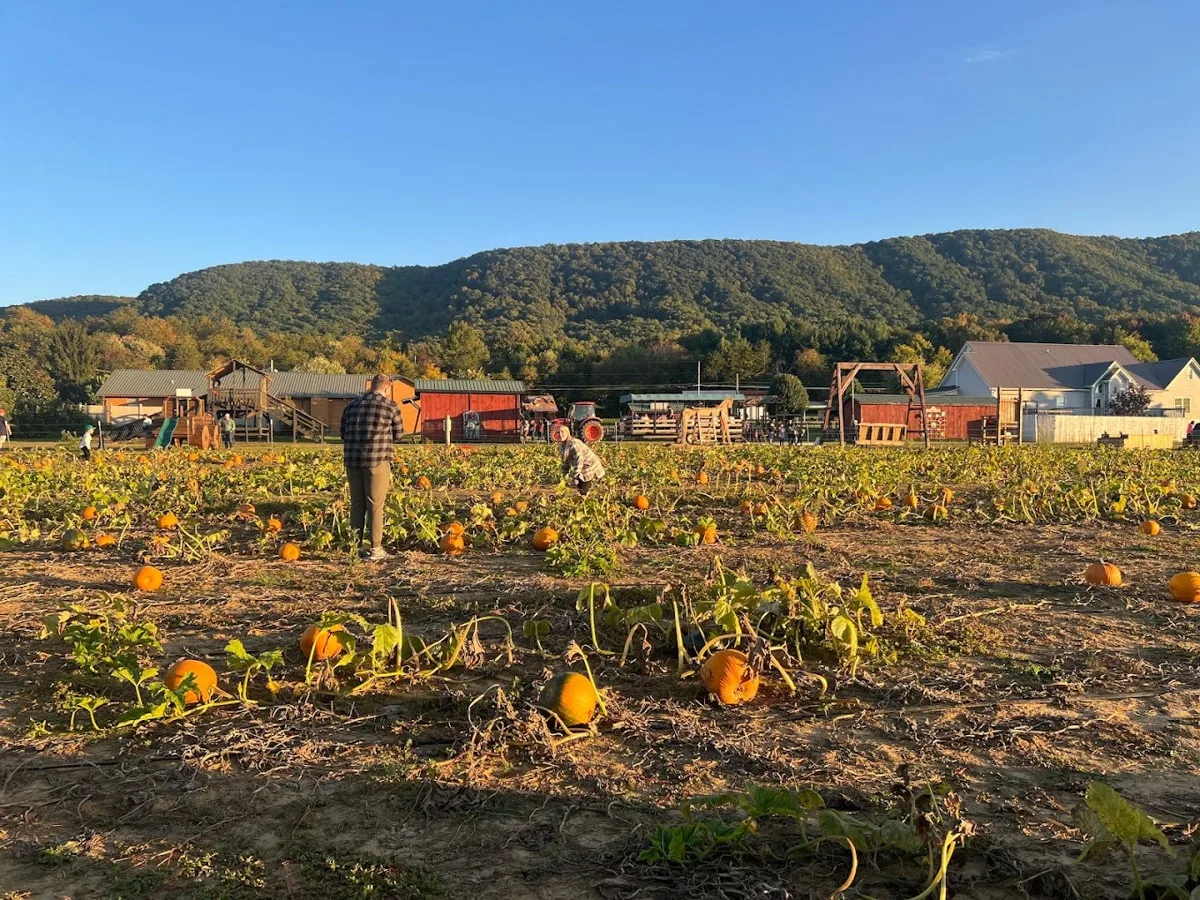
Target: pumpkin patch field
x,y
733,672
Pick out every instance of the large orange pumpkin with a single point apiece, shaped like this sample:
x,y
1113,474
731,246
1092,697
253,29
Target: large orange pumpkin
x,y
1105,574
322,643
1185,587
168,521
205,676
544,538
148,579
728,676
289,552
571,697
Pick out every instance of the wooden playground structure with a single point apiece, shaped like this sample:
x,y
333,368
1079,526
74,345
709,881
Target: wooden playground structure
x,y
242,391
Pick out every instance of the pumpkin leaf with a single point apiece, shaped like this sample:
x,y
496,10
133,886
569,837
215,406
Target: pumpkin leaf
x,y
1121,818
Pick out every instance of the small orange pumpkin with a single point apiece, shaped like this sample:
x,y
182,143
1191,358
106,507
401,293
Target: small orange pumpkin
x,y
148,579
883,503
1188,501
452,544
808,522
728,676
544,538
424,483
204,675
1185,587
1102,574
641,502
89,513
746,508
105,540
571,697
289,552
701,477
273,526
497,498
1150,527
706,533
168,522
911,500
455,528
322,643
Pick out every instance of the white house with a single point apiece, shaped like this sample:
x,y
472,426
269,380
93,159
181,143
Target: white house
x,y
1073,377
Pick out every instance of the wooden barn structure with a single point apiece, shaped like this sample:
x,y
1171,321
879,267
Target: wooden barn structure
x,y
948,417
480,409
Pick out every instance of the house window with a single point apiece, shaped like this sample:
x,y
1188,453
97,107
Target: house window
x,y
1183,404
1059,401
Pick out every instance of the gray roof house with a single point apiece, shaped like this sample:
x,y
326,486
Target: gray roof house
x,y
1082,377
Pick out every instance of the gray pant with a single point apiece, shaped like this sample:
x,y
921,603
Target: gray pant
x,y
368,492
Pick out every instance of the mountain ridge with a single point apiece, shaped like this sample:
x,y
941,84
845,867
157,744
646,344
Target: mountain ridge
x,y
608,291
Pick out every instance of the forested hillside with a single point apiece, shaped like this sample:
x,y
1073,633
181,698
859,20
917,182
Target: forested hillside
x,y
622,313
606,293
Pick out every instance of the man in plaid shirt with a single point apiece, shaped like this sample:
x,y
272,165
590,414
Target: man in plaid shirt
x,y
370,424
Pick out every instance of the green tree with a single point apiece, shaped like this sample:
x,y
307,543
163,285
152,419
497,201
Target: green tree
x,y
463,349
74,359
25,386
738,358
791,397
185,354
321,365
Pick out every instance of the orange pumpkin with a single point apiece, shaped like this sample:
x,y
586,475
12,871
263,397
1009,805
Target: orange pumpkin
x,y
455,528
273,526
424,483
808,522
204,675
452,544
1103,574
706,533
760,509
105,540
883,503
1188,501
1150,527
911,500
544,538
571,697
289,552
701,477
746,508
728,676
497,498
168,522
148,579
641,502
521,506
89,513
1185,587
322,643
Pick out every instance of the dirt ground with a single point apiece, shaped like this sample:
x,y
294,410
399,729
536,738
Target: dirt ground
x,y
1030,687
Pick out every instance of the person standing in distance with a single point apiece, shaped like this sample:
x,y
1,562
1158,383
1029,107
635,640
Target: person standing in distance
x,y
370,425
6,430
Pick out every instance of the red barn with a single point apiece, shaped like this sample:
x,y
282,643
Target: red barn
x,y
951,418
479,409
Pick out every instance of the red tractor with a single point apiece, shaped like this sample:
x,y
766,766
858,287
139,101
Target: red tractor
x,y
584,423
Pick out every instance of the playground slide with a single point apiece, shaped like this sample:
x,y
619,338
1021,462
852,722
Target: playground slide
x,y
165,433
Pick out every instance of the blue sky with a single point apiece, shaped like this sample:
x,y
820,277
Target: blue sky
x,y
139,140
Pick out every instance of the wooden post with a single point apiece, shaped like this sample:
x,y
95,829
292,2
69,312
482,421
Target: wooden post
x,y
1020,415
447,426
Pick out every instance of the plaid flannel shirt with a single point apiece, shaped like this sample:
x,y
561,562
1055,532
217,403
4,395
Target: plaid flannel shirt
x,y
580,461
369,425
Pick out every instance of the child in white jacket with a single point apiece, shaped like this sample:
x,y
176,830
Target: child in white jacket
x,y
85,443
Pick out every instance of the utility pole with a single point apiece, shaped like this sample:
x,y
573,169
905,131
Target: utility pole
x,y
697,378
